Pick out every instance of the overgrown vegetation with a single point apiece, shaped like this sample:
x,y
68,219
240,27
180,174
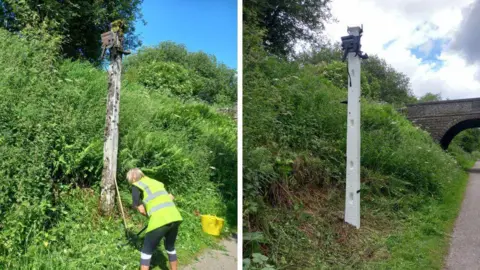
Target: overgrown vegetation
x,y
52,116
380,81
170,69
294,167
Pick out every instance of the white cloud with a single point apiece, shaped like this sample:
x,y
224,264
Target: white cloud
x,y
427,47
412,23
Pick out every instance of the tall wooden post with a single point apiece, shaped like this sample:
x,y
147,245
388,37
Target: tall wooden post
x,y
111,40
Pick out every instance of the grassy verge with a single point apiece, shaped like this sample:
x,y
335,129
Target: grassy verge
x,y
85,240
411,239
423,238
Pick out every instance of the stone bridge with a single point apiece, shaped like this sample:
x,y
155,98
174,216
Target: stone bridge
x,y
445,119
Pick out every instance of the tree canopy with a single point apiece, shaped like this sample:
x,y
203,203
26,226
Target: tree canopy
x,y
430,97
169,67
78,24
287,22
380,81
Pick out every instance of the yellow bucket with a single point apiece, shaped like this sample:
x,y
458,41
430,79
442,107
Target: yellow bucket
x,y
212,225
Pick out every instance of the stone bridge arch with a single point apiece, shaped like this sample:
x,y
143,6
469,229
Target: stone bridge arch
x,y
445,119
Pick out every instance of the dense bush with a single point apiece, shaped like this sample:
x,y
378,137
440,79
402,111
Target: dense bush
x,y
380,81
170,68
52,116
303,112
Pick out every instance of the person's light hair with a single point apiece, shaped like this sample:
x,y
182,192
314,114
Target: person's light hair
x,y
134,175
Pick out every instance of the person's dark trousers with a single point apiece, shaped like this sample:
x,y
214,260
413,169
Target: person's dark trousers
x,y
152,239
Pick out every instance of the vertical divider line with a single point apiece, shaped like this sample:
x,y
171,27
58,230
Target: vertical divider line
x,y
239,134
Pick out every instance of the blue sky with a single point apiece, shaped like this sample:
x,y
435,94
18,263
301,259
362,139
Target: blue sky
x,y
433,42
427,52
430,51
201,25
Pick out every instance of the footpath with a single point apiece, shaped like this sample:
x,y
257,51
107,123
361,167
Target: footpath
x,y
217,259
464,253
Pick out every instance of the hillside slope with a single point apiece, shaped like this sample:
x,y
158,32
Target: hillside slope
x,y
52,116
294,176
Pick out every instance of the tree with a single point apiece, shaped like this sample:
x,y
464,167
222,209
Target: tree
x,y
288,21
380,81
393,86
170,67
78,23
430,97
469,140
327,52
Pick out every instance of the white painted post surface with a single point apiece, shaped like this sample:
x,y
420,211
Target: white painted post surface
x,y
352,199
110,149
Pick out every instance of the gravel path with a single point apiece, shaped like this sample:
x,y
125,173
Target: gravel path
x,y
464,251
217,259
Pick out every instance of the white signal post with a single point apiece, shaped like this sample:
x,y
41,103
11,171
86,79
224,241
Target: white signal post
x,y
351,46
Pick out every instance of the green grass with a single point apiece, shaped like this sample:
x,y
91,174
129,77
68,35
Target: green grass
x,y
416,237
423,238
84,239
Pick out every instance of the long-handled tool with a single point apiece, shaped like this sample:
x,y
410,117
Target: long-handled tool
x,y
128,235
123,214
121,207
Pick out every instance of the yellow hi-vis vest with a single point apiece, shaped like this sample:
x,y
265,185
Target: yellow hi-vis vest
x,y
159,206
